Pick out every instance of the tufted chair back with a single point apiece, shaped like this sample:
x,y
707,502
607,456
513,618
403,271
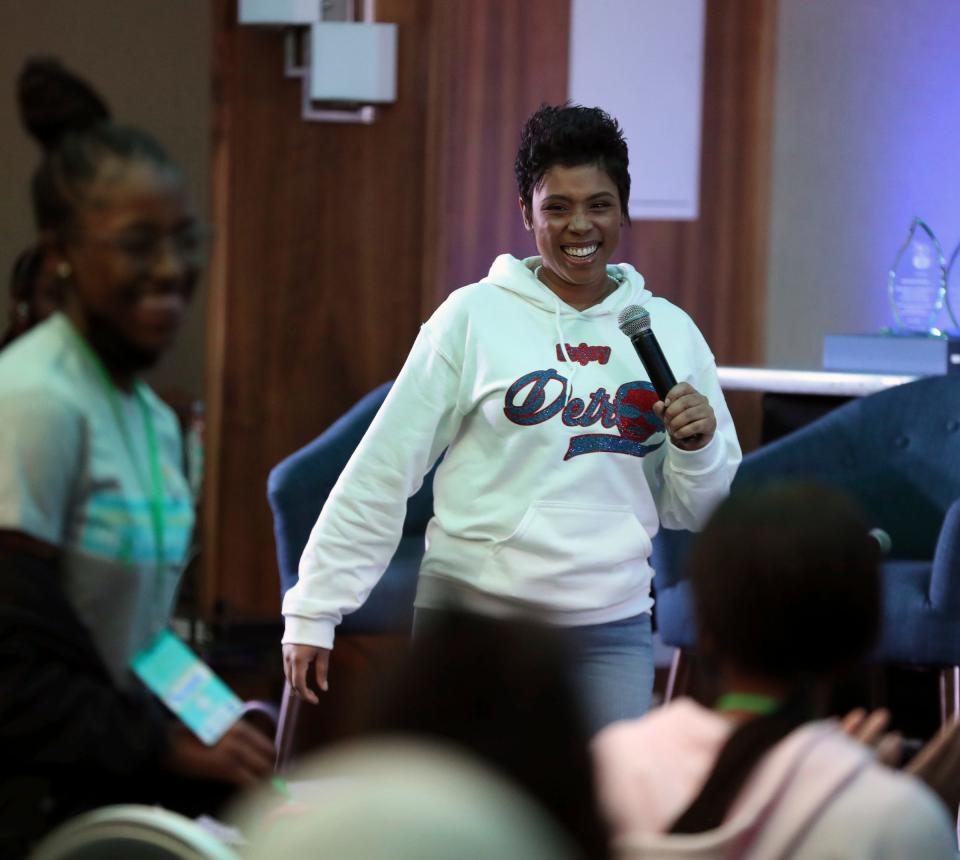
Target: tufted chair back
x,y
897,452
297,489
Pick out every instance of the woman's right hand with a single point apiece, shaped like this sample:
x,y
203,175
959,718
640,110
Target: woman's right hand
x,y
871,729
296,664
243,756
938,765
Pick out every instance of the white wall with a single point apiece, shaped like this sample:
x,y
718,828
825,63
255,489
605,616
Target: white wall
x,y
656,94
866,134
150,59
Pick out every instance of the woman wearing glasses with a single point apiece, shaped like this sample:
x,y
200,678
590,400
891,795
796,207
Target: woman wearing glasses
x,y
95,513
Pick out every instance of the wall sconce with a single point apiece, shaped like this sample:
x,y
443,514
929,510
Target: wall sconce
x,y
346,65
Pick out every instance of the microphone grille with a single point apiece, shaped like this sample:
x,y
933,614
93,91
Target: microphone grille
x,y
633,319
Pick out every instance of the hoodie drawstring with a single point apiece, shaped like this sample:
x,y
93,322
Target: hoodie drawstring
x,y
615,275
558,323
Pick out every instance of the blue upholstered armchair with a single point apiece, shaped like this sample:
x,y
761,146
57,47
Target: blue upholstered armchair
x,y
898,453
297,489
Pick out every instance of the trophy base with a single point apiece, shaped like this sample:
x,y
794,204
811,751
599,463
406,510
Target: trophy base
x,y
918,355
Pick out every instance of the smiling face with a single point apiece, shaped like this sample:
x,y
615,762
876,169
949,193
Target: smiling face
x,y
575,218
133,262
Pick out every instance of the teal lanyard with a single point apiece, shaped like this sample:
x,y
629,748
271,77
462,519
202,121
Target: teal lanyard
x,y
153,486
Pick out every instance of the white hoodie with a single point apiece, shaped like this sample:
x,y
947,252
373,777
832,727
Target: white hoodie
x,y
544,501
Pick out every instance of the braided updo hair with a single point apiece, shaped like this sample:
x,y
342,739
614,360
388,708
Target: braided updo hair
x,y
72,125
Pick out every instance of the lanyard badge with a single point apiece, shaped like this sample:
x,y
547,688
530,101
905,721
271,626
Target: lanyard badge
x,y
166,665
152,482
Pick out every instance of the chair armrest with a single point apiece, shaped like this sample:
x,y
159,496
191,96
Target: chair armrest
x,y
945,578
264,715
298,486
671,551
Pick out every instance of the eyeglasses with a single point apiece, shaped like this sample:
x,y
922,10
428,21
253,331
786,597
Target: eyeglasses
x,y
143,250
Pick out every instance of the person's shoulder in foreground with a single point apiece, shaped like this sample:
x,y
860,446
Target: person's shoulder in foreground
x,y
41,361
818,792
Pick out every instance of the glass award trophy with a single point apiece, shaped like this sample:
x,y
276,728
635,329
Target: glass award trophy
x,y
917,282
953,290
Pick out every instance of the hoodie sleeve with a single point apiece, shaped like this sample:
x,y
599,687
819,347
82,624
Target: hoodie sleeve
x,y
688,485
361,523
42,439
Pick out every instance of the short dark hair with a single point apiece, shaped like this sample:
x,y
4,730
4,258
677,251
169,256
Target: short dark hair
x,y
786,581
571,135
72,124
501,688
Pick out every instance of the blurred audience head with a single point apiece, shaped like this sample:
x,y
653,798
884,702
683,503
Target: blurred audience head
x,y
400,800
502,691
786,582
112,216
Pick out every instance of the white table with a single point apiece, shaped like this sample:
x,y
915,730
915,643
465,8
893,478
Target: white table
x,y
813,382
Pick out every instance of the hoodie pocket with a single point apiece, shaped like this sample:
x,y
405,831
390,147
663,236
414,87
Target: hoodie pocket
x,y
564,553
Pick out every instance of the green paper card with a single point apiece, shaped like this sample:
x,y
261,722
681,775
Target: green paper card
x,y
188,687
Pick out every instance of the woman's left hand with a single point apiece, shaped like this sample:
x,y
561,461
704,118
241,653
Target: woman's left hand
x,y
687,416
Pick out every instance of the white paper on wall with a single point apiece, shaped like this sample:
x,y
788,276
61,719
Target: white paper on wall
x,y
642,62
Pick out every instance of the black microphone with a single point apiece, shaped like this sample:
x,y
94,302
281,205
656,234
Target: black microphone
x,y
634,322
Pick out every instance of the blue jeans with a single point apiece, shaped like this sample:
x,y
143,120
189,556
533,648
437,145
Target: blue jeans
x,y
612,666
613,669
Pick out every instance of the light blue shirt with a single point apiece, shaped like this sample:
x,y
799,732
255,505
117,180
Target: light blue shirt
x,y
68,478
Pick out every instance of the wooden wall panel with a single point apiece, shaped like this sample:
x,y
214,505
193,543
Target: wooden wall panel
x,y
333,231
492,64
338,240
715,267
316,292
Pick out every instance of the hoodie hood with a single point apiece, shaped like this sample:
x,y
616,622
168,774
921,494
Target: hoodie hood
x,y
517,276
